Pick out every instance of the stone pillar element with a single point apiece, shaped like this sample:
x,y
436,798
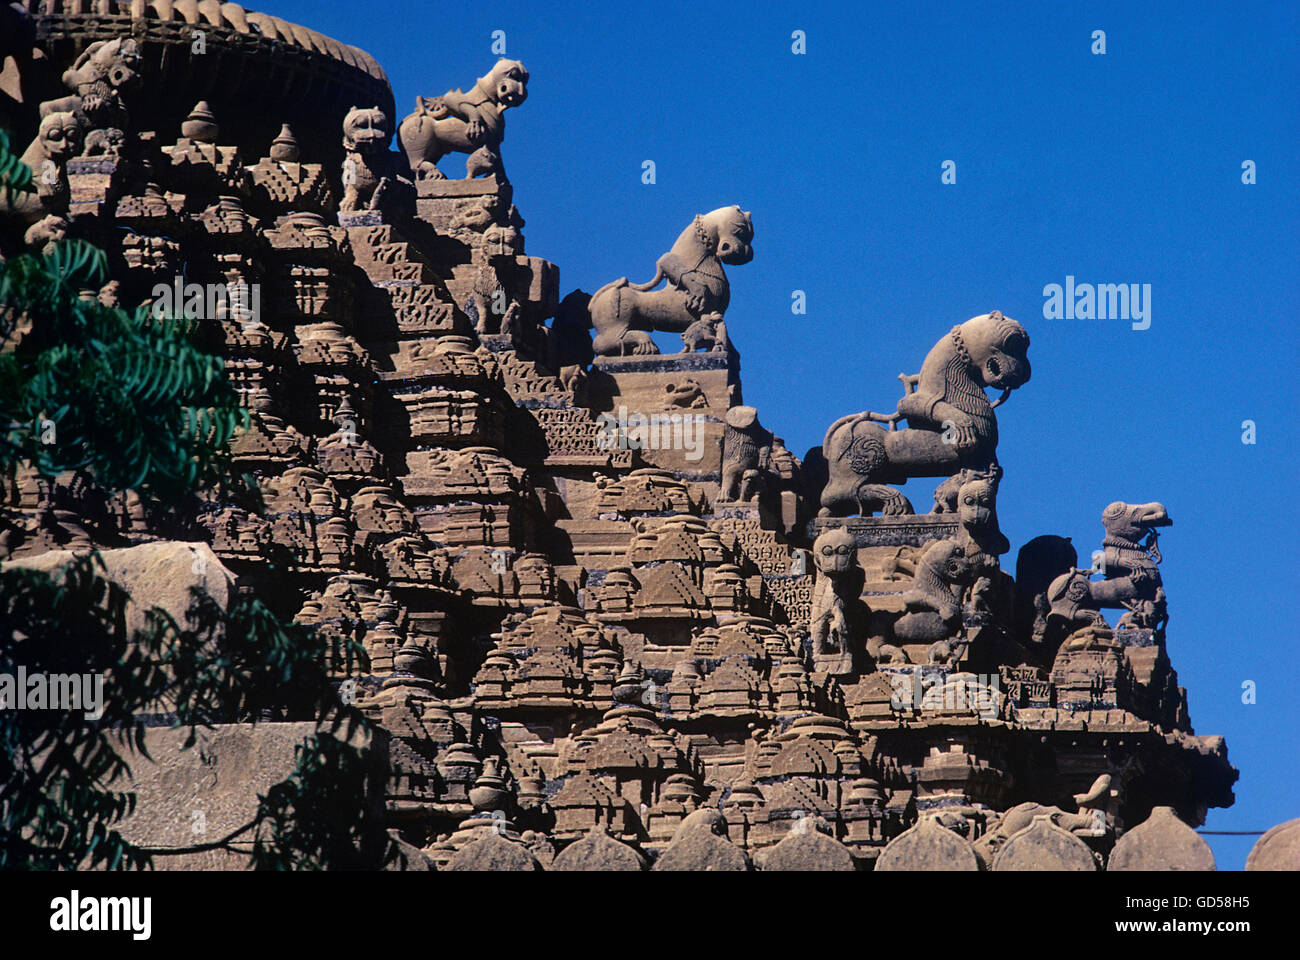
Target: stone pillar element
x,y
701,844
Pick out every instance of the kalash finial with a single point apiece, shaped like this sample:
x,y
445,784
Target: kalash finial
x,y
284,148
201,124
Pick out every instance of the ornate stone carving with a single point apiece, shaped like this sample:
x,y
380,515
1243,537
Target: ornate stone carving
x,y
745,450
472,123
588,657
934,603
951,423
370,175
835,592
1130,567
58,140
105,74
697,287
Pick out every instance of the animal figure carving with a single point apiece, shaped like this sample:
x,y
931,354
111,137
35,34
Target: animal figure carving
x,y
1130,559
839,581
459,122
746,446
979,536
1095,817
696,295
368,173
934,602
103,76
58,139
951,424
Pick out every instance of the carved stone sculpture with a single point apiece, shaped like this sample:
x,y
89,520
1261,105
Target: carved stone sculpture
x,y
1132,581
951,423
58,139
47,233
839,581
368,169
103,76
585,656
745,448
457,122
934,603
697,287
980,538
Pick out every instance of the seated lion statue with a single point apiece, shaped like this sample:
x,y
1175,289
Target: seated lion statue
x,y
457,122
951,424
696,290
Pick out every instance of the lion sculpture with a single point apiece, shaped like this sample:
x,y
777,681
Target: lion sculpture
x,y
370,178
697,291
834,598
457,122
951,424
105,74
58,140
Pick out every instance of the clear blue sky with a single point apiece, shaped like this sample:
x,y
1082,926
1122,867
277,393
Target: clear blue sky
x,y
1120,168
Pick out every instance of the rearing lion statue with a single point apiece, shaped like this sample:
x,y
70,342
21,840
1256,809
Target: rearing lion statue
x,y
951,424
457,122
697,290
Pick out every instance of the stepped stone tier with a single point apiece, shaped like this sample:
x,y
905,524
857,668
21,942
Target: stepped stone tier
x,y
612,621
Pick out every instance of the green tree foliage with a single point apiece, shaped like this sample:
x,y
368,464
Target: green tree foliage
x,y
131,402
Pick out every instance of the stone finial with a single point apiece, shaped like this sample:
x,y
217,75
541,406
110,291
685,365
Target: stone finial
x,y
494,853
701,843
598,851
808,846
489,791
201,124
285,146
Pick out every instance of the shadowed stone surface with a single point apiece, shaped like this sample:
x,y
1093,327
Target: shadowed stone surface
x,y
191,797
1044,846
700,844
494,852
409,858
1163,842
928,846
599,851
